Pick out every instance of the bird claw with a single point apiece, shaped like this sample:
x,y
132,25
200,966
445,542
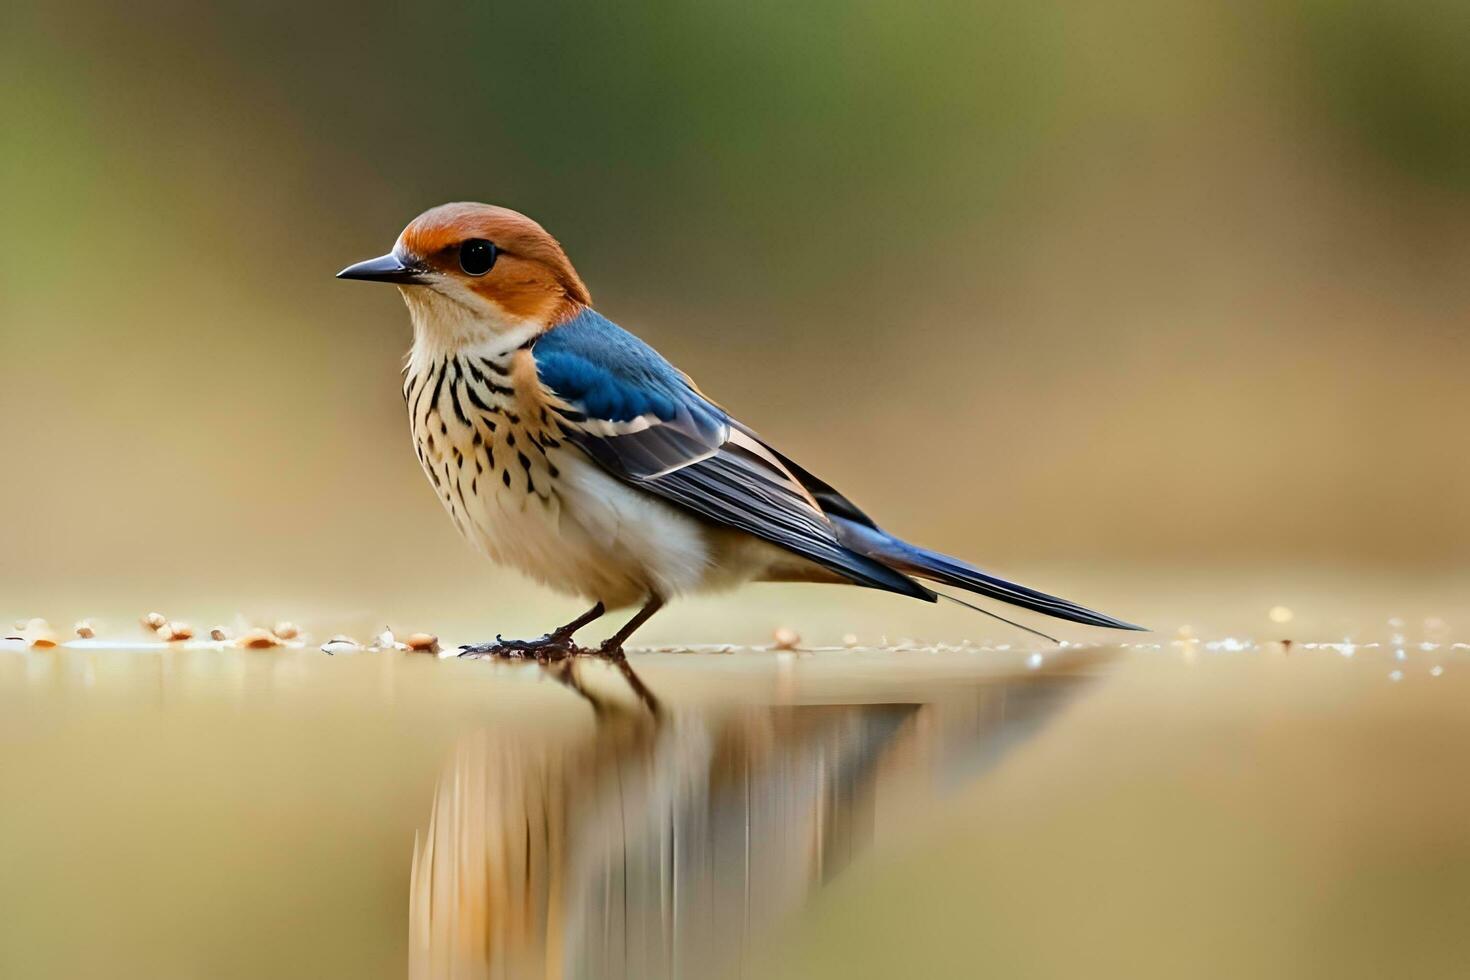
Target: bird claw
x,y
546,649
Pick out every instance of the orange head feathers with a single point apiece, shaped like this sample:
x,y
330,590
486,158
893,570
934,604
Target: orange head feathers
x,y
481,252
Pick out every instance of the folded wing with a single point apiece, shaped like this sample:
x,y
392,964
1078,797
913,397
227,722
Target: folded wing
x,y
642,421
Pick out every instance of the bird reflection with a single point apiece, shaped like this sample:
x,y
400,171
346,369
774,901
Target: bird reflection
x,y
664,843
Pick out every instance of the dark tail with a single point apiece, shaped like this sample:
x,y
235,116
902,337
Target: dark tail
x,y
913,560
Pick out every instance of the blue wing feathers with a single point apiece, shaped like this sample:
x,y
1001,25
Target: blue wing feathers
x,y
599,392
609,372
606,373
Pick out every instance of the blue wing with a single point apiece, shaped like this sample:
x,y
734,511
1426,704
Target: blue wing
x,y
642,421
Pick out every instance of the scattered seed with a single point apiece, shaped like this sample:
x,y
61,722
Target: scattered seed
x,y
39,635
219,633
286,631
174,632
154,621
786,638
340,644
84,629
423,643
257,639
849,639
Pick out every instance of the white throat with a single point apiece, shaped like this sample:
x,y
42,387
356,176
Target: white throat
x,y
458,321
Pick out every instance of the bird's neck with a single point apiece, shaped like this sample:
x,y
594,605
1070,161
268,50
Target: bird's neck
x,y
445,326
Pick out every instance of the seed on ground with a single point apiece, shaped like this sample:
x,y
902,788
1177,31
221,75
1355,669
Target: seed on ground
x,y
174,632
257,639
423,643
39,635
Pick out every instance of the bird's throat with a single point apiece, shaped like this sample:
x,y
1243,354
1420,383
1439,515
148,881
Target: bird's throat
x,y
447,325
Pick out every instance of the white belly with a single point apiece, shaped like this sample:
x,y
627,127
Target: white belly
x,y
590,535
538,504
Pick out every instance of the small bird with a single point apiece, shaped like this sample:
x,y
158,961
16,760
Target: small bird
x,y
569,449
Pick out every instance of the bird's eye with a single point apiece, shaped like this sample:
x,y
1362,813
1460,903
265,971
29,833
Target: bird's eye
x,y
477,255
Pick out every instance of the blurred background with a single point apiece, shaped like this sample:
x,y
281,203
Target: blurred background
x,y
1160,306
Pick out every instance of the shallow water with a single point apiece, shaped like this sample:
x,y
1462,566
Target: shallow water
x,y
1176,809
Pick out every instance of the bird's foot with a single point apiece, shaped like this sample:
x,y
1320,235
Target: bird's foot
x,y
546,649
609,650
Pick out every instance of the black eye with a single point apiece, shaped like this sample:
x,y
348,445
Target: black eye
x,y
476,256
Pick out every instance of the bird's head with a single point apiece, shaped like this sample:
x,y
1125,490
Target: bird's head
x,y
470,269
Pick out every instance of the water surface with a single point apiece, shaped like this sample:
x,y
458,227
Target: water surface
x,y
1176,809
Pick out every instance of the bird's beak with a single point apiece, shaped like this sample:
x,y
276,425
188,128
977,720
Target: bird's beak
x,y
384,268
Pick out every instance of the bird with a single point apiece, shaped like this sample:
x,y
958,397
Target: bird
x,y
569,449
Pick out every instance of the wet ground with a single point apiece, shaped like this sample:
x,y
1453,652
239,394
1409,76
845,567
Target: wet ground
x,y
1183,807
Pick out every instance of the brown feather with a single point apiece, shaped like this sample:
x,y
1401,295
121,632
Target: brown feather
x,y
532,278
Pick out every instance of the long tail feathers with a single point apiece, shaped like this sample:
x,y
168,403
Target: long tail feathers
x,y
931,565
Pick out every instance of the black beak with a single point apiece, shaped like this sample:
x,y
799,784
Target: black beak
x,y
384,268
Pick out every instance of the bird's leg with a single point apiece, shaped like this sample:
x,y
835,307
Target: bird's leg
x,y
553,646
612,647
